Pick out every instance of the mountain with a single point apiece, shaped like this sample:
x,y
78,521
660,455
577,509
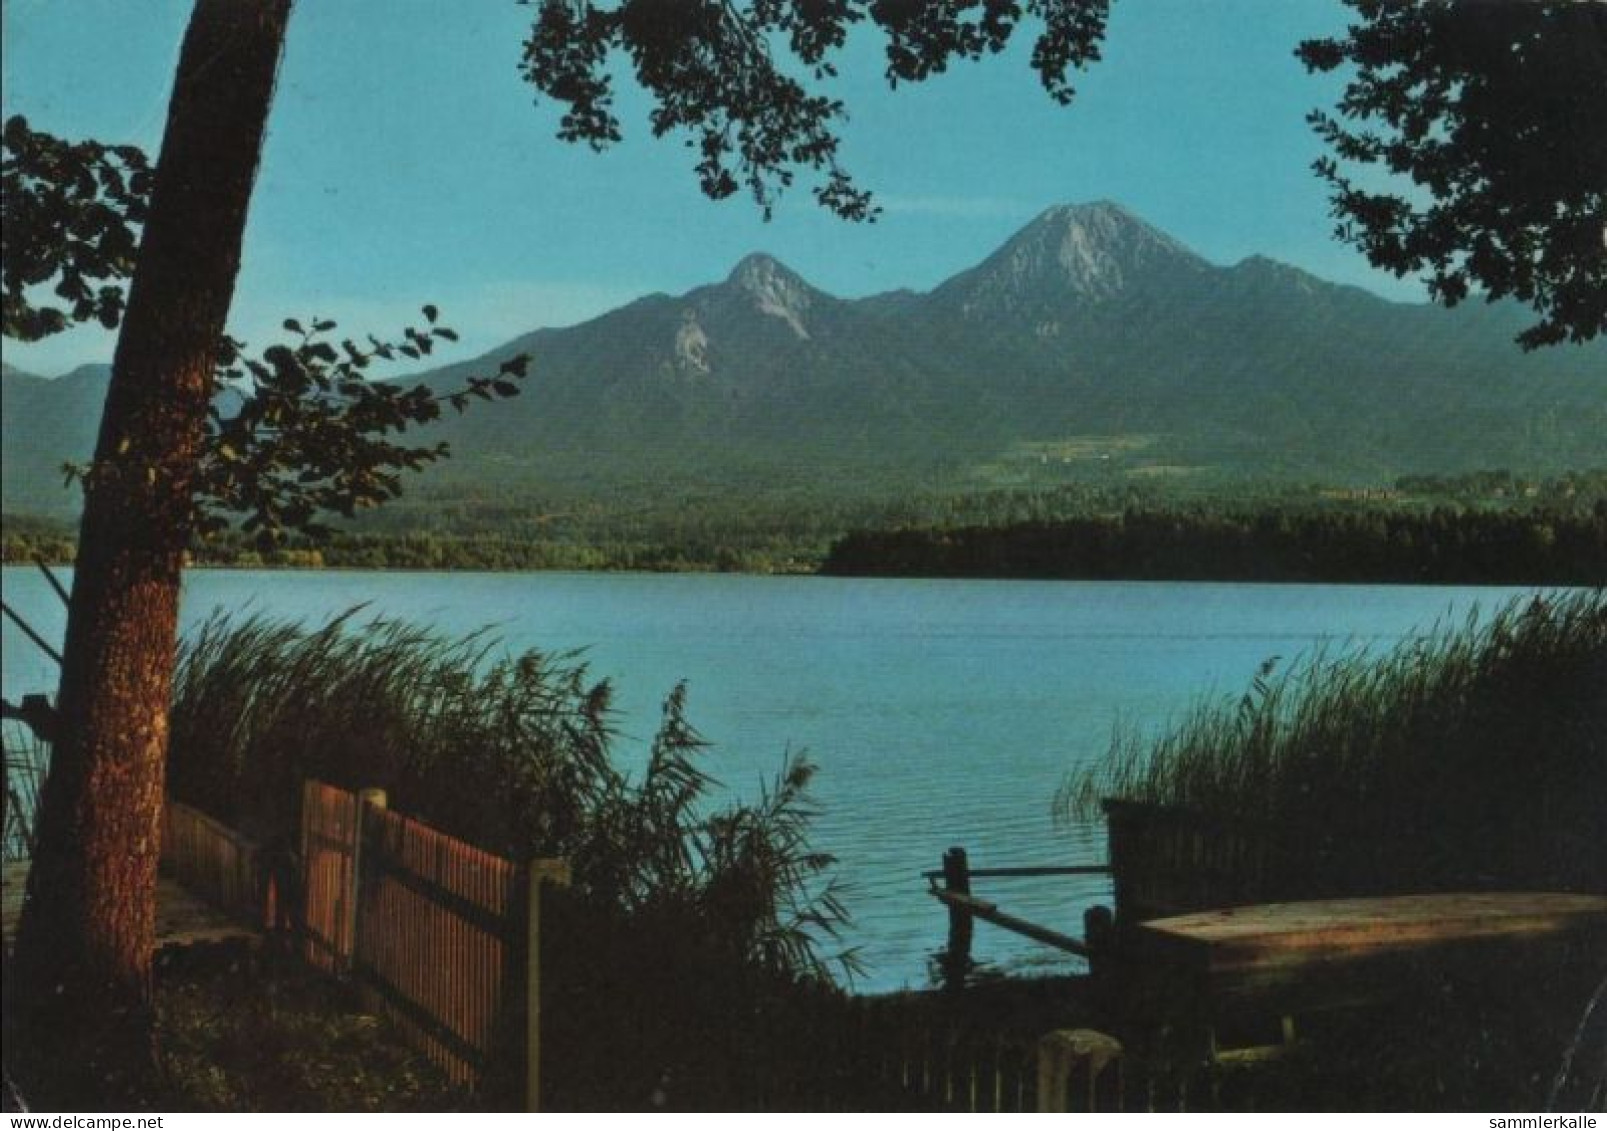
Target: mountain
x,y
1088,331
1087,322
43,424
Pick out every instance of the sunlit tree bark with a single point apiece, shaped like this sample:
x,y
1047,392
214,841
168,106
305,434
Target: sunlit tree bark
x,y
83,963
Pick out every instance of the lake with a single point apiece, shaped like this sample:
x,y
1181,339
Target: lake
x,y
940,712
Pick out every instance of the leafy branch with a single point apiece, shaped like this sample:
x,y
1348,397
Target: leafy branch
x,y
72,213
1484,120
718,71
301,430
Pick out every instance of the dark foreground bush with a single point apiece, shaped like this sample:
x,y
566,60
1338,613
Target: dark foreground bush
x,y
238,1034
682,914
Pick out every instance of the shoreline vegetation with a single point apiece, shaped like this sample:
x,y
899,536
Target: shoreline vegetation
x,y
1441,547
1471,757
685,909
1485,528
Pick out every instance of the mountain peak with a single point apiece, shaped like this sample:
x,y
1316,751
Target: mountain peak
x,y
1071,255
1262,271
1101,246
758,268
775,289
1091,211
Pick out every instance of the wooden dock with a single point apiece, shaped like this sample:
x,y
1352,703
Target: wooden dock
x,y
182,919
1323,951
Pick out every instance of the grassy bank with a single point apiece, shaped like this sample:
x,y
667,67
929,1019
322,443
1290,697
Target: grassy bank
x,y
1471,757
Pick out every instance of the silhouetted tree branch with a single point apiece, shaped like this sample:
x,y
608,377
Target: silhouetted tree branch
x,y
1493,114
719,72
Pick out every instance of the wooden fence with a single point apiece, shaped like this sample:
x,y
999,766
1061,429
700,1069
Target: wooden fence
x,y
920,1064
444,936
445,939
930,1053
328,855
215,862
437,924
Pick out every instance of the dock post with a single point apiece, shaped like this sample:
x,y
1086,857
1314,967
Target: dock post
x,y
1099,930
957,879
1071,1071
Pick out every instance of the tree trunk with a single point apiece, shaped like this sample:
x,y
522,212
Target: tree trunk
x,y
81,993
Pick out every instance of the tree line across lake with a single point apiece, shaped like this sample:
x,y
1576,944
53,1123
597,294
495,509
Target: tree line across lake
x,y
1488,527
1440,546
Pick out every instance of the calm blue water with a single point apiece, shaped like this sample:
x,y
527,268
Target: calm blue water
x,y
940,712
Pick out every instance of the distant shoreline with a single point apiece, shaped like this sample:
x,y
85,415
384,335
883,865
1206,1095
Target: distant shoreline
x,y
1548,542
1498,583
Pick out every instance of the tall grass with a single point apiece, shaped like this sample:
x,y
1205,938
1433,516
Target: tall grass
x,y
687,920
515,753
1473,756
26,759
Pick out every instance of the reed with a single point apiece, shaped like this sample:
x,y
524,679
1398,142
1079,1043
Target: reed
x,y
26,759
692,918
1473,755
517,754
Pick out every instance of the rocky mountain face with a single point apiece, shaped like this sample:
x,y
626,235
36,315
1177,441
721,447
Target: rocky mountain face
x,y
1071,260
1087,322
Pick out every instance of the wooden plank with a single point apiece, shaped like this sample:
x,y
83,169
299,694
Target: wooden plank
x,y
989,912
328,833
1028,871
1326,953
1326,929
181,918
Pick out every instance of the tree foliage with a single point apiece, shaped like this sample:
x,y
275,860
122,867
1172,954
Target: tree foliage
x,y
1494,112
312,435
721,71
1443,546
71,215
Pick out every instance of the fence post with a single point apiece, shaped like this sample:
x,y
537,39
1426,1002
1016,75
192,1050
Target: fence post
x,y
1070,1060
365,798
957,879
1099,931
540,872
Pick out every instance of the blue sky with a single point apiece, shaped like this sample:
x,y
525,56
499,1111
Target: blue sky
x,y
408,163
